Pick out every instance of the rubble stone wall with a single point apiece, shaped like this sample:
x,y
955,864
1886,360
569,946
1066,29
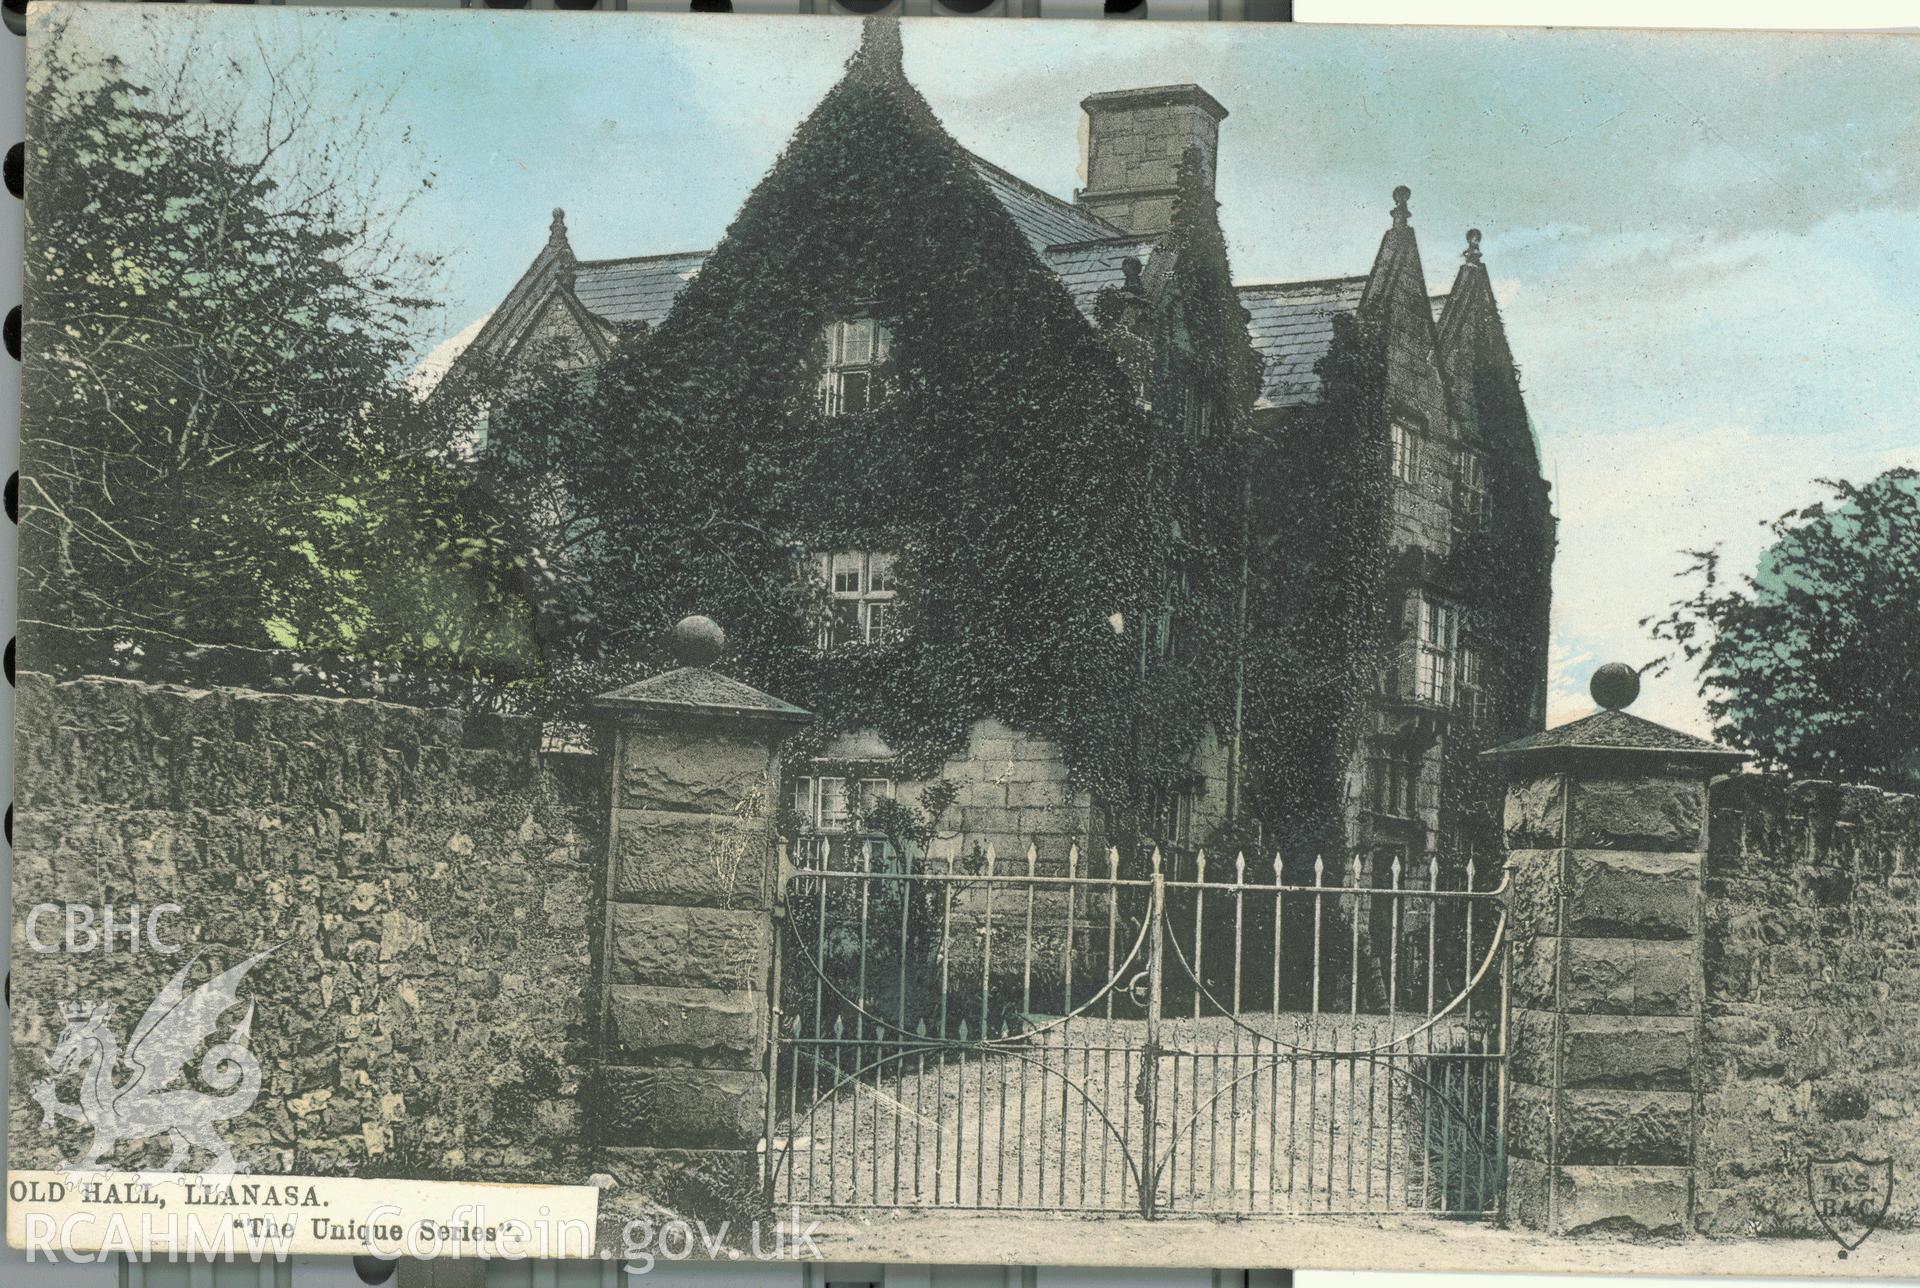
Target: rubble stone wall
x,y
1811,1035
426,883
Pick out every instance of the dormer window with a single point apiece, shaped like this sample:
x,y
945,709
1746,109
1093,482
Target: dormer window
x,y
855,349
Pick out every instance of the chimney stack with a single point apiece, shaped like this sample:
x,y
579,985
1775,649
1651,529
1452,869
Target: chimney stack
x,y
1132,145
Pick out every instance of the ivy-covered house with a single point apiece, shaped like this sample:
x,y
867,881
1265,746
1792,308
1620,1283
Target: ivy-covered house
x,y
1025,498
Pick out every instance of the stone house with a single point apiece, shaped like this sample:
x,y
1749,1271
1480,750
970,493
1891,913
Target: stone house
x,y
1462,663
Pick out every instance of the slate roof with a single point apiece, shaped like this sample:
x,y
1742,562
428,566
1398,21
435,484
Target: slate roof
x,y
1042,218
1616,731
1291,322
1083,248
640,289
1292,327
1088,268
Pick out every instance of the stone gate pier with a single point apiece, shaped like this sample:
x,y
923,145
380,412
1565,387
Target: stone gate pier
x,y
1606,834
686,950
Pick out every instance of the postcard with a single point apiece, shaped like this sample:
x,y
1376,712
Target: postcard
x,y
675,638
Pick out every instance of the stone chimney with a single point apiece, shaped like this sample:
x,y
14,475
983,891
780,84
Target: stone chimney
x,y
1133,141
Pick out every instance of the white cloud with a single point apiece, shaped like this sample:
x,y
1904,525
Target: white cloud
x,y
433,368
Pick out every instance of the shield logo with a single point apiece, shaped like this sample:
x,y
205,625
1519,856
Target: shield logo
x,y
1850,1196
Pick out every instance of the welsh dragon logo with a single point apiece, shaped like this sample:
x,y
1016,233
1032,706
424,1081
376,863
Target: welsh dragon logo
x,y
145,1103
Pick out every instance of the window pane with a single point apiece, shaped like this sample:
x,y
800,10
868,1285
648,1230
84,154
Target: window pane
x,y
858,349
846,622
1406,454
853,392
801,799
833,802
880,574
877,623
846,574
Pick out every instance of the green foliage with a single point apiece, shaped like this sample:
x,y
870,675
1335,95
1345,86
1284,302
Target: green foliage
x,y
1811,661
1323,509
1503,569
218,448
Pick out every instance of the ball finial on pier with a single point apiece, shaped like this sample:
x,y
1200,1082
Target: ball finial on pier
x,y
698,641
1615,685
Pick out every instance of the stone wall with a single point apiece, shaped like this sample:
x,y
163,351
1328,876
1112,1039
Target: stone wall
x,y
429,880
1013,792
1811,1038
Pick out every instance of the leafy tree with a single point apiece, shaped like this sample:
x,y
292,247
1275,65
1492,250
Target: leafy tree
x,y
1812,662
218,447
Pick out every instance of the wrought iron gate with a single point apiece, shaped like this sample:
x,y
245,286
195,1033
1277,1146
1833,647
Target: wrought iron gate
x,y
973,1034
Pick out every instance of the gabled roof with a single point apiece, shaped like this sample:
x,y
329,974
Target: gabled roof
x,y
1084,249
527,300
640,289
1292,328
1291,323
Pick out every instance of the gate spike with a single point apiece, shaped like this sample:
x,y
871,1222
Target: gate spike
x,y
1396,871
1469,872
1279,877
1240,868
1073,860
920,1027
1319,868
1433,870
1033,857
963,1030
1113,863
839,1025
1156,859
1200,866
990,860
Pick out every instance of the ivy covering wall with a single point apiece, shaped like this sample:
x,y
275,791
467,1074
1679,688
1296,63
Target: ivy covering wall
x,y
1069,550
1100,541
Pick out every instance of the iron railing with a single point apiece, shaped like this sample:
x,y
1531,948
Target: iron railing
x,y
972,1033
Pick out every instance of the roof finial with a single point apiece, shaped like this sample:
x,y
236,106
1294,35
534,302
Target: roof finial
x,y
1472,253
557,230
879,53
1400,212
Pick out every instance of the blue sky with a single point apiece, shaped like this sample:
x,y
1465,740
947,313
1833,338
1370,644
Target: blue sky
x,y
1706,246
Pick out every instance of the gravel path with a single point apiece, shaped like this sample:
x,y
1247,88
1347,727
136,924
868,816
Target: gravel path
x,y
1054,1122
